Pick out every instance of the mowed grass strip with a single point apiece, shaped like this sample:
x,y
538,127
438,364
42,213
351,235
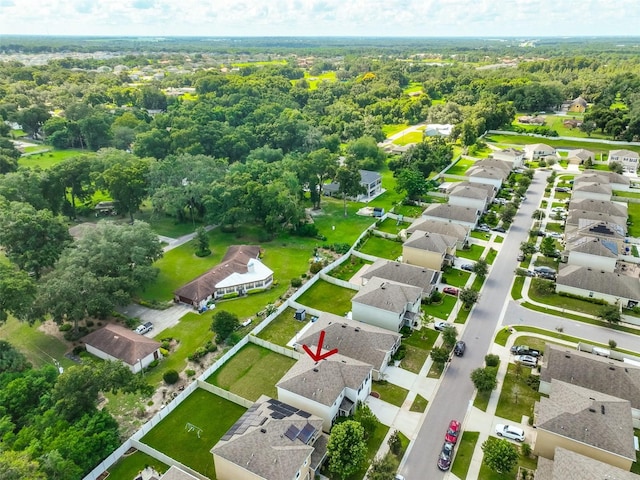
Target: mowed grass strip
x,y
252,372
464,453
282,328
213,414
328,297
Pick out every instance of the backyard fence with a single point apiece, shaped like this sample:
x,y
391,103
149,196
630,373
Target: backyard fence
x,y
574,139
365,256
338,282
288,352
143,447
226,394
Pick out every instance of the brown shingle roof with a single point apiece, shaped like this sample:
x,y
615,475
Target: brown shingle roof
x,y
600,206
593,246
466,191
121,343
587,416
494,163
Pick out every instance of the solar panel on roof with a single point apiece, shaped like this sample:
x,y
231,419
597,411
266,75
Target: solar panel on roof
x,y
304,414
292,432
226,437
277,416
306,433
242,428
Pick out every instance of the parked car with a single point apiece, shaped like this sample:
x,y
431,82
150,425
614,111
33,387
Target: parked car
x,y
509,431
538,233
444,460
520,257
459,349
544,269
399,477
144,328
558,210
483,229
546,275
441,325
525,350
526,360
451,291
452,432
555,235
467,266
563,189
499,229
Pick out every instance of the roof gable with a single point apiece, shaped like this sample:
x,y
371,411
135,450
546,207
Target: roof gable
x,y
403,273
387,295
121,343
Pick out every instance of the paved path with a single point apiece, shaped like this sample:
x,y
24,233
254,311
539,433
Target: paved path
x,y
161,319
176,242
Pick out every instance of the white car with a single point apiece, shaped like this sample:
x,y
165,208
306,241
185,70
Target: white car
x,y
526,360
441,325
509,431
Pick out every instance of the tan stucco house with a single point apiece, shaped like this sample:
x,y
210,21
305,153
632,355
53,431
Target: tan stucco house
x,y
442,227
429,250
425,278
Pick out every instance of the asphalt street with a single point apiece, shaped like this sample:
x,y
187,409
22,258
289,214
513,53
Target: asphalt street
x,y
455,392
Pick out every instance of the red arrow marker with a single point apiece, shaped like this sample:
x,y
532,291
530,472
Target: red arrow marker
x,y
316,357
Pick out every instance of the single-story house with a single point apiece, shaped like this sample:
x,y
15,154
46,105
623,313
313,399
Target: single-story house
x,y
621,380
593,190
114,342
599,254
513,156
567,465
387,304
614,288
429,250
363,342
329,388
239,272
531,119
627,158
271,441
578,105
371,181
584,421
417,276
486,174
442,227
581,155
438,130
444,212
572,123
538,150
469,196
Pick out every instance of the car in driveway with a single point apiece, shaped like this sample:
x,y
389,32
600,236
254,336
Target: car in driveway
x,y
144,328
526,360
450,291
520,257
499,229
441,325
543,269
510,431
452,432
556,235
459,349
467,266
482,228
446,454
525,350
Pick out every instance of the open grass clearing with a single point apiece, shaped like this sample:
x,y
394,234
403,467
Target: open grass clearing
x,y
411,211
419,404
455,277
282,328
381,247
252,372
409,138
418,345
46,160
391,197
130,466
213,414
391,225
474,252
390,393
516,396
443,309
348,268
328,297
460,167
595,147
393,128
464,453
486,473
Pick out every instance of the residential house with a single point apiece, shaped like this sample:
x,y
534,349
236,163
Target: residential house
x,y
580,155
176,473
567,465
272,440
593,190
584,421
357,340
444,212
370,181
531,119
576,217
596,253
538,150
239,272
422,277
329,388
429,250
505,166
621,380
597,228
438,130
616,180
387,304
627,158
442,227
578,105
513,156
117,343
572,123
613,209
486,174
469,196
614,288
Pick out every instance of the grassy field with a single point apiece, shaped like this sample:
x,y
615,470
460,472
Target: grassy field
x,y
390,225
282,328
391,197
419,345
460,167
466,446
348,268
516,397
390,393
393,128
381,247
323,77
130,466
252,372
213,414
409,210
443,309
634,219
328,298
409,138
46,160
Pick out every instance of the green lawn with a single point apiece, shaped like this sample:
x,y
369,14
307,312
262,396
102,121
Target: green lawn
x,y
390,225
596,148
348,268
482,398
413,87
48,159
410,211
491,256
393,128
328,298
381,247
487,474
409,138
462,316
164,224
282,328
442,309
213,414
460,167
466,446
478,282
516,397
418,345
391,197
634,219
455,277
130,466
390,393
557,300
480,235
474,252
635,466
252,372
516,288
419,404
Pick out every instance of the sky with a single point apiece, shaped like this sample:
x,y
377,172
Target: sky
x,y
422,18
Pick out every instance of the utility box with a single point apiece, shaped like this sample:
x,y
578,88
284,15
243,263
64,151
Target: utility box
x,y
300,314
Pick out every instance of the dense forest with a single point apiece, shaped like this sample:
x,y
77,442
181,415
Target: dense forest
x,y
227,132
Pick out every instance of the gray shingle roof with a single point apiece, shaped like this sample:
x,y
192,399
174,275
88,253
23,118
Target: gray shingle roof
x,y
581,153
611,177
264,444
512,152
467,191
601,229
121,343
587,416
593,187
494,163
600,206
439,226
590,371
175,473
431,242
360,341
623,153
487,187
324,381
387,295
367,176
486,172
451,212
574,217
424,278
593,246
568,465
609,283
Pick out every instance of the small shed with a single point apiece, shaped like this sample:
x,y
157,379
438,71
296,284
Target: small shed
x,y
301,314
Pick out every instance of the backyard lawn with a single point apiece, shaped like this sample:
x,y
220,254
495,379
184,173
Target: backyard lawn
x,y
455,277
409,138
130,466
418,345
282,328
389,392
634,219
382,248
443,309
50,158
391,225
410,211
252,372
517,397
460,167
348,268
328,297
393,128
213,414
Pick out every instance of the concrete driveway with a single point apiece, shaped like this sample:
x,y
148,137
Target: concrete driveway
x,y
161,319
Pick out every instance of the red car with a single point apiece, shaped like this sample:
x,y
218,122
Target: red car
x,y
450,291
452,432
